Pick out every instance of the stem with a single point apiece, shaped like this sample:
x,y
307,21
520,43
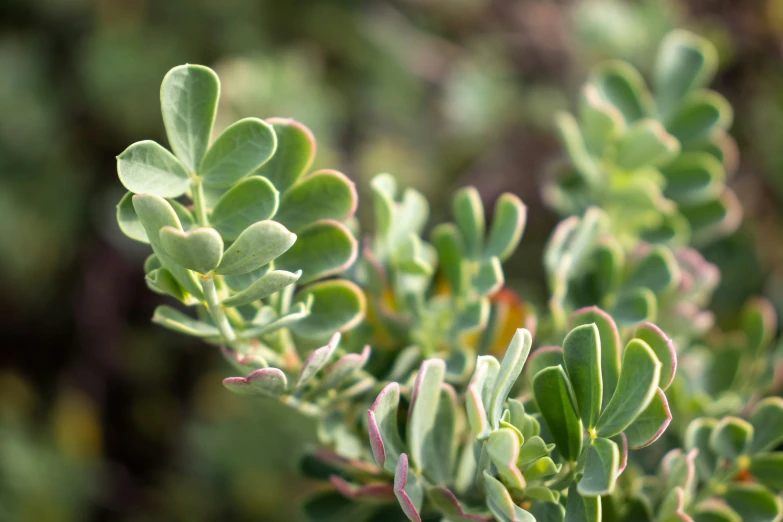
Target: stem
x,y
199,206
216,310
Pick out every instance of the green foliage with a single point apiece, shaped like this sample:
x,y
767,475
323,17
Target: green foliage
x,y
393,348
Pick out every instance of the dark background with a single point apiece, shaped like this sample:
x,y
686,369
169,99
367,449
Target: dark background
x,y
104,416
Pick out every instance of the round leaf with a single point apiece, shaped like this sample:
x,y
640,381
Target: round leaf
x,y
293,156
338,306
557,405
198,249
322,249
256,246
249,201
242,148
582,357
326,194
146,167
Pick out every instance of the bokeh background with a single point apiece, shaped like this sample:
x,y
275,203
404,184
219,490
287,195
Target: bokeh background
x,y
106,417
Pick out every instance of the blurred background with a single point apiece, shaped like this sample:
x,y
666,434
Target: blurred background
x,y
105,417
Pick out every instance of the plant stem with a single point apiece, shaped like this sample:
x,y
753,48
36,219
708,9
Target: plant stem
x,y
216,310
199,206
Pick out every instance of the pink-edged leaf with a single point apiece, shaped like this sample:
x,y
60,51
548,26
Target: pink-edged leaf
x,y
385,440
344,464
622,444
407,490
673,507
316,361
374,493
650,425
423,411
610,345
266,381
243,363
345,367
543,357
664,349
448,504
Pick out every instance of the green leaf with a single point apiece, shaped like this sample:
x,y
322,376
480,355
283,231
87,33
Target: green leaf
x,y
326,194
639,378
249,201
700,113
623,87
753,502
731,437
501,504
646,143
544,357
154,212
759,322
533,449
651,424
601,122
447,503
574,144
266,323
685,62
548,511
663,347
469,214
767,421
582,509
339,306
188,99
198,249
601,465
715,512
323,248
635,306
268,284
146,167
241,282
479,395
293,156
175,320
270,382
442,443
543,467
610,345
489,279
693,177
508,224
385,441
557,404
657,271
345,369
239,150
697,437
503,448
163,282
422,414
582,357
128,221
408,491
474,317
316,361
767,468
372,493
510,368
448,243
256,246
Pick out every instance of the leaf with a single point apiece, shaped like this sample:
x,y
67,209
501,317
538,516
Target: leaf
x,y
582,357
175,320
622,444
266,285
646,143
256,246
715,511
697,437
474,317
266,323
714,218
582,509
128,221
408,491
658,271
339,306
533,449
479,395
316,361
198,249
323,248
503,449
700,113
239,150
374,492
574,144
693,177
767,421
163,282
510,368
731,437
188,99
422,413
251,200
557,405
601,122
651,424
345,369
489,279
635,306
442,443
759,322
447,503
543,467
610,345
385,441
544,357
753,502
448,243
685,62
603,460
663,347
623,87
508,224
326,194
270,382
293,156
767,468
500,503
548,511
469,215
638,381
146,167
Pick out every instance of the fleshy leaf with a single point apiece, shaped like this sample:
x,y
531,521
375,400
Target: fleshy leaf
x,y
490,277
442,443
199,249
657,271
376,492
700,113
602,122
556,402
685,62
321,249
385,440
422,414
510,368
339,305
146,167
753,502
697,437
293,156
582,357
469,215
639,377
501,504
767,421
731,437
503,449
663,347
266,381
533,449
448,243
175,320
610,345
651,424
767,468
623,87
408,491
582,509
479,395
543,357
448,504
543,467
508,224
646,143
326,194
316,361
264,286
251,200
759,323
188,99
603,461
256,246
241,149
128,221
